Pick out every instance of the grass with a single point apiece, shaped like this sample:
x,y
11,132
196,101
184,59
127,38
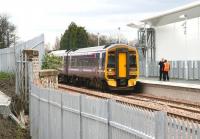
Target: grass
x,y
5,75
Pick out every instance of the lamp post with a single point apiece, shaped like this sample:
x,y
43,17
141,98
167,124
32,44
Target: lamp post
x,y
98,38
119,35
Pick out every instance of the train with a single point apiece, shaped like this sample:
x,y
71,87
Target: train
x,y
108,67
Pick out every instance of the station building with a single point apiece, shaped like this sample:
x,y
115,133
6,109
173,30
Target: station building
x,y
174,34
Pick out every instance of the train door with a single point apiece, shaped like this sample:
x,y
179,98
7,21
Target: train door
x,y
122,66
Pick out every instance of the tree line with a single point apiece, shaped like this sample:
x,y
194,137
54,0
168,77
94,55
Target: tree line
x,y
76,37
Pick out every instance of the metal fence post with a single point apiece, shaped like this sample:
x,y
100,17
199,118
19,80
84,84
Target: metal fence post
x,y
109,118
160,125
62,137
186,70
146,68
81,123
38,116
30,73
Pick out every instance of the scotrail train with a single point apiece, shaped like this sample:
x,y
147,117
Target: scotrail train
x,y
113,67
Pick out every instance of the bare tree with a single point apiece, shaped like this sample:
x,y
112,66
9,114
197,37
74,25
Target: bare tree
x,y
57,44
93,40
7,32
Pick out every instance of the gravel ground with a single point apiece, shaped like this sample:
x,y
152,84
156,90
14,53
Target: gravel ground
x,y
8,129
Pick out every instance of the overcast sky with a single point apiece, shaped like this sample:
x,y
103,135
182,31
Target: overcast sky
x,y
52,17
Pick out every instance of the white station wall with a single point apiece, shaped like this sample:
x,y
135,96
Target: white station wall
x,y
173,44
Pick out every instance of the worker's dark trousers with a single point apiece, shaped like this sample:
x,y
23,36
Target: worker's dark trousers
x,y
161,75
165,76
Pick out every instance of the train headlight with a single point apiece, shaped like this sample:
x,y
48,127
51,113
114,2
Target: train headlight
x,y
111,71
132,71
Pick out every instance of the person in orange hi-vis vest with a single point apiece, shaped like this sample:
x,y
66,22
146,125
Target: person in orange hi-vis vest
x,y
166,69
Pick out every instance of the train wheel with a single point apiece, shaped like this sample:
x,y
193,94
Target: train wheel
x,y
103,86
95,83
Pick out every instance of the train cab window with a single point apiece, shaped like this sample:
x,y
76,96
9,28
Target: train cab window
x,y
97,59
132,61
103,59
111,60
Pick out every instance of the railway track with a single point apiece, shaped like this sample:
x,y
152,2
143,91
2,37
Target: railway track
x,y
178,109
195,108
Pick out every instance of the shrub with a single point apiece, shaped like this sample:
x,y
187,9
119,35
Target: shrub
x,y
52,62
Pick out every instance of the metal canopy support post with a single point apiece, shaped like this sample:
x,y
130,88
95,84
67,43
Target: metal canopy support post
x,y
186,71
146,55
146,39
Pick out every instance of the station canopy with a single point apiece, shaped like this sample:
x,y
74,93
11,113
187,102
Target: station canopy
x,y
182,13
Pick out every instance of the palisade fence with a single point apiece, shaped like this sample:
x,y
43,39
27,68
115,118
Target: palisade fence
x,y
7,59
59,115
189,70
10,57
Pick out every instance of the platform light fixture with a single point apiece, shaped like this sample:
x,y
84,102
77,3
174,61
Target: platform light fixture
x,y
185,17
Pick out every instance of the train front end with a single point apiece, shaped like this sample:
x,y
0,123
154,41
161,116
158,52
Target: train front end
x,y
121,67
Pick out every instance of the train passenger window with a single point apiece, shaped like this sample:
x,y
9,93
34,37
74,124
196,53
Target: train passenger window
x,y
88,62
79,62
132,61
111,61
84,62
73,62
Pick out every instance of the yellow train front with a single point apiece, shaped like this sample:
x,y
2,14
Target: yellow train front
x,y
113,67
121,67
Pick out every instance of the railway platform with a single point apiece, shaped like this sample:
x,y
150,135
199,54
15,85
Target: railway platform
x,y
188,90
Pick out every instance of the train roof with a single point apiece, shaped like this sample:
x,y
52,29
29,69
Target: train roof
x,y
91,49
94,49
84,51
58,52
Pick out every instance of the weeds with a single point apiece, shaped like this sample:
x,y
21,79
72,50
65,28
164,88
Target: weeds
x,y
5,75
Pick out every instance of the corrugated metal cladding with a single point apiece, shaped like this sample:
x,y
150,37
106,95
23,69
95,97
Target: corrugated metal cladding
x,y
179,41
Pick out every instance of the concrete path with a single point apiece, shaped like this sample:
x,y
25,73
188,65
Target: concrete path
x,y
4,99
197,82
188,90
174,83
